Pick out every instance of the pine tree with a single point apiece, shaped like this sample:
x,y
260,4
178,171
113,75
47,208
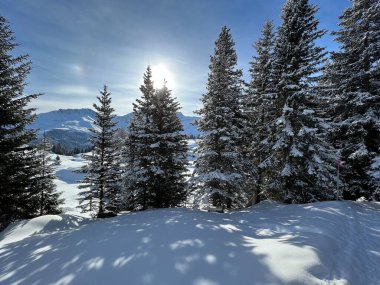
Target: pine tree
x,y
259,104
301,162
219,174
156,150
45,188
16,169
355,70
103,174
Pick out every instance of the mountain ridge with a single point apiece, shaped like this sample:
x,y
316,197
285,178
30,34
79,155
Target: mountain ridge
x,y
71,127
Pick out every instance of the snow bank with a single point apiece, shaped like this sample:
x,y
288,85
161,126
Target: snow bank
x,y
41,225
322,243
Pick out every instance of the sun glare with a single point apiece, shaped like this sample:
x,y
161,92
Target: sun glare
x,y
160,73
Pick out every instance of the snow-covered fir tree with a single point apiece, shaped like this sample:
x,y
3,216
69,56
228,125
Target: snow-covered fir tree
x,y
156,153
259,105
103,176
170,151
45,188
355,77
219,174
88,195
301,162
140,169
17,164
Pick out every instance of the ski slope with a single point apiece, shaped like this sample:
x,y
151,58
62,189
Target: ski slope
x,y
322,243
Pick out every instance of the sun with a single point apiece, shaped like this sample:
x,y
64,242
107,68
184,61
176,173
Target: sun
x,y
160,73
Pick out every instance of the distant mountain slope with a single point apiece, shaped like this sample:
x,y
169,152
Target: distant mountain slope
x,y
71,127
65,119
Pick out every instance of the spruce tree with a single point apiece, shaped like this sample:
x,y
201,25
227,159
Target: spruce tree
x,y
103,173
259,105
45,188
156,150
170,151
140,168
301,162
16,163
88,195
355,73
219,174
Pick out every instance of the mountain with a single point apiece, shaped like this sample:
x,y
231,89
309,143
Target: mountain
x,y
71,127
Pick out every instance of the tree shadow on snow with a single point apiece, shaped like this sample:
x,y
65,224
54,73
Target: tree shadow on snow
x,y
183,246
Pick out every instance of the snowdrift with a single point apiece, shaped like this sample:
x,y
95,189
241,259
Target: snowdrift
x,y
40,225
322,243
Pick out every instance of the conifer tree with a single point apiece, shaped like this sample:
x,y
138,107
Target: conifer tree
x,y
156,150
302,163
16,163
170,151
140,169
219,174
355,73
88,195
259,104
57,160
103,174
45,188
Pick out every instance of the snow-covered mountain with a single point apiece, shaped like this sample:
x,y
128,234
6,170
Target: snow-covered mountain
x,y
71,127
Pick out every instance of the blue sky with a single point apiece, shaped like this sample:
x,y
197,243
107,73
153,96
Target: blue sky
x,y
76,46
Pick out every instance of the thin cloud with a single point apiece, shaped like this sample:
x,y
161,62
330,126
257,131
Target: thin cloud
x,y
73,90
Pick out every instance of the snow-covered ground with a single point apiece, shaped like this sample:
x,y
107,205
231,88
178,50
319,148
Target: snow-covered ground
x,y
67,181
322,243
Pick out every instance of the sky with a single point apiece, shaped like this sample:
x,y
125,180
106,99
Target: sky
x,y
77,46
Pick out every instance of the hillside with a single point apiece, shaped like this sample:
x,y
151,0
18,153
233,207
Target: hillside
x,y
322,243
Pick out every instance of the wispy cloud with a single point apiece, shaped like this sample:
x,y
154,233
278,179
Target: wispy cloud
x,y
73,90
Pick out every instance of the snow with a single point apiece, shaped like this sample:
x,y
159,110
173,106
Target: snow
x,y
361,152
287,109
322,243
375,168
41,225
308,112
192,145
294,152
287,170
329,243
67,181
